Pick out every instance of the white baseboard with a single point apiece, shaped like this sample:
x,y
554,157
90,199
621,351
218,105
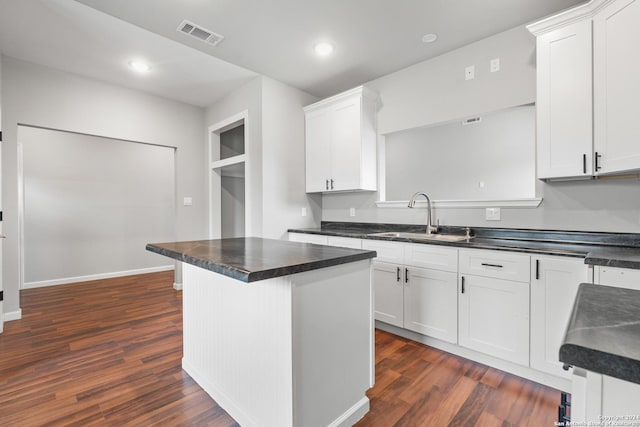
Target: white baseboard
x,y
177,286
12,315
66,280
353,414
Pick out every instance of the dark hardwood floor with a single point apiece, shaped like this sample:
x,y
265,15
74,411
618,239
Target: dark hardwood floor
x,y
108,353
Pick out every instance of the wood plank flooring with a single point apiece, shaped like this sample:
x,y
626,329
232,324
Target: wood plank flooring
x,y
108,353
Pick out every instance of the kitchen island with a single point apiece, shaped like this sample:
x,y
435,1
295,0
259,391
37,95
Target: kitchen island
x,y
278,333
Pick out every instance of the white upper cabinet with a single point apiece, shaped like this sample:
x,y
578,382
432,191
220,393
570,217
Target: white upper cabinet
x,y
616,86
341,142
587,90
564,109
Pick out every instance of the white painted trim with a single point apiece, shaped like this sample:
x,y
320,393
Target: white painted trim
x,y
12,315
215,218
467,204
66,280
569,16
177,286
353,414
360,90
513,368
229,161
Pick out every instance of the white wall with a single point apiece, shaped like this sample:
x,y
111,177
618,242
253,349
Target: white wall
x,y
435,91
91,205
283,174
249,98
41,96
276,155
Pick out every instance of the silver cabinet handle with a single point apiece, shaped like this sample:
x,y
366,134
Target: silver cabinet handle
x,y
326,183
332,184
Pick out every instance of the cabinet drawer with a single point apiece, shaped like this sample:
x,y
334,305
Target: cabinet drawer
x,y
619,277
431,256
387,251
344,242
497,264
308,238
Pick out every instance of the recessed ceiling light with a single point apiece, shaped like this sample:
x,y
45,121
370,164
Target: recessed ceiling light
x,y
323,48
429,38
139,66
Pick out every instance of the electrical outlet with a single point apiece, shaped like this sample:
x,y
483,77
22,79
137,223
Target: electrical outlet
x,y
494,65
304,212
352,211
470,72
187,201
492,214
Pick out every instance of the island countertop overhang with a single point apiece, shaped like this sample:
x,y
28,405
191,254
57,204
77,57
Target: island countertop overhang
x,y
250,259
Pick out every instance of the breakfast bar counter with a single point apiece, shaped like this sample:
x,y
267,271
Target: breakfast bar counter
x,y
278,333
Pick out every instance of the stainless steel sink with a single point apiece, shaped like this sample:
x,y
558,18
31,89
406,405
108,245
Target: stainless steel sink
x,y
422,236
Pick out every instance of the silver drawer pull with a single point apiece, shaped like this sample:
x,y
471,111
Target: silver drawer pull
x,y
491,265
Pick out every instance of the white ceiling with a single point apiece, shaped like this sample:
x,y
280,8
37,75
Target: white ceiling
x,y
270,37
70,36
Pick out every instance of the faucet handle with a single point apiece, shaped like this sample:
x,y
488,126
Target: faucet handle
x,y
467,231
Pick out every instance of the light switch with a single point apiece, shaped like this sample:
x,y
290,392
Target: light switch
x,y
187,201
304,212
352,212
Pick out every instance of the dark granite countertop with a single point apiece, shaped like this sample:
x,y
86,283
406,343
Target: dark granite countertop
x,y
251,259
610,249
603,334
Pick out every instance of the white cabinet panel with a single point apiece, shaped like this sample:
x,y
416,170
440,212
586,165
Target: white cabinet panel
x,y
564,105
388,284
554,285
430,303
494,317
616,86
308,238
345,145
618,277
318,158
498,264
387,251
344,242
431,256
340,141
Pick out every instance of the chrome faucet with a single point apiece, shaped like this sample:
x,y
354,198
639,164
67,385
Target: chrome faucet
x,y
430,227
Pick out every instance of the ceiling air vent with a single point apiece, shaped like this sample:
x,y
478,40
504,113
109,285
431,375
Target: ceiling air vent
x,y
202,34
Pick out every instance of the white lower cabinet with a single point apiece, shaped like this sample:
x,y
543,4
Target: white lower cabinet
x,y
388,291
419,299
318,239
554,285
618,277
494,312
430,303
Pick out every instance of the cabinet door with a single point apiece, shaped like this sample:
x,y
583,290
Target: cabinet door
x,y
318,146
345,144
431,303
554,285
564,102
616,86
388,283
494,317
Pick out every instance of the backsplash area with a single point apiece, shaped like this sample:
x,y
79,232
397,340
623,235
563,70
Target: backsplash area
x,y
596,205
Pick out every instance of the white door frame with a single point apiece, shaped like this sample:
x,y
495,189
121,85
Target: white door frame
x,y
215,185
